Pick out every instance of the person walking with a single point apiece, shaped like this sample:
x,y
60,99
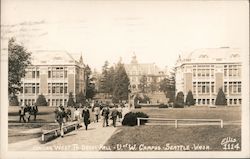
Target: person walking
x,y
105,114
22,114
119,109
27,111
85,116
77,115
35,111
60,115
97,113
114,115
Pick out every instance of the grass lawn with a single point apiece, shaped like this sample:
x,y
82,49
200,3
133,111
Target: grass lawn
x,y
224,113
161,138
168,138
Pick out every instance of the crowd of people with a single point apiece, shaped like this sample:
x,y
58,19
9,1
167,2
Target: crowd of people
x,y
25,112
106,111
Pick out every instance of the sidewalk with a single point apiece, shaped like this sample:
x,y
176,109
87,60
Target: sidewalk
x,y
80,140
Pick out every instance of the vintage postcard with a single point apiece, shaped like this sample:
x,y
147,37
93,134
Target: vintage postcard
x,y
124,79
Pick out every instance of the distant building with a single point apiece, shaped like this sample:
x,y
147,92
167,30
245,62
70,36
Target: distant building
x,y
54,74
204,71
136,70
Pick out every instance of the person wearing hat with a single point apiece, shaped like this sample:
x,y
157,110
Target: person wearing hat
x,y
85,116
105,114
60,114
22,114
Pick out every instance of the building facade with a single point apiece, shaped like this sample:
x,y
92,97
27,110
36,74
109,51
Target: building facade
x,y
204,71
136,71
54,74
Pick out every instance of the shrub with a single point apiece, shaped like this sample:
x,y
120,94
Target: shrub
x,y
179,100
13,101
221,98
130,119
41,100
163,106
190,99
137,106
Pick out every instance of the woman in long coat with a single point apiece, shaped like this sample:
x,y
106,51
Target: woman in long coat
x,y
85,115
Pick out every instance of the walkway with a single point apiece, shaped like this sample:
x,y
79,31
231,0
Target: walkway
x,y
80,140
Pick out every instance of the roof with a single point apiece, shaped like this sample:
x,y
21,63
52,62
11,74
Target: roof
x,y
223,52
52,57
211,55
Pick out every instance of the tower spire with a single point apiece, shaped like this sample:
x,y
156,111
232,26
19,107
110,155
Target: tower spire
x,y
81,60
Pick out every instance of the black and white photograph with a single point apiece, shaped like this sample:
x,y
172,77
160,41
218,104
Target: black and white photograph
x,y
124,79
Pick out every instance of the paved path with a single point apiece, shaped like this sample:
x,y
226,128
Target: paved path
x,y
80,140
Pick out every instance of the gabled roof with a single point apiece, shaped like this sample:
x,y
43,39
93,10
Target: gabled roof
x,y
52,57
214,53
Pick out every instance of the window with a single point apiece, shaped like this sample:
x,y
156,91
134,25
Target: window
x,y
33,74
212,72
49,74
212,87
235,101
37,74
65,73
194,72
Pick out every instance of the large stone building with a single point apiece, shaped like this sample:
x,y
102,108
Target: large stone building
x,y
136,70
204,71
54,74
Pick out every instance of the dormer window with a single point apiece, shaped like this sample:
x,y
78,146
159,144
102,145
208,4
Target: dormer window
x,y
234,55
203,56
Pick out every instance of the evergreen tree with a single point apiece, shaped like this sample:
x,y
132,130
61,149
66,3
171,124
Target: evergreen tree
x,y
121,83
80,98
104,79
71,101
221,98
143,85
154,85
164,85
18,60
190,99
41,100
13,101
171,88
167,85
179,100
90,90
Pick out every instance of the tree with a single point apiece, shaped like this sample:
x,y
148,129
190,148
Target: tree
x,y
221,98
120,83
154,84
164,85
41,100
167,85
171,86
71,101
13,101
179,100
143,84
90,90
18,60
104,79
190,99
80,98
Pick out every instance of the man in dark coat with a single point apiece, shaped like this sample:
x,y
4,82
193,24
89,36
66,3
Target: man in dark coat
x,y
114,115
35,111
60,114
22,114
85,116
105,114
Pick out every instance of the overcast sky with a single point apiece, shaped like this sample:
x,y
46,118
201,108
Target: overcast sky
x,y
156,31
